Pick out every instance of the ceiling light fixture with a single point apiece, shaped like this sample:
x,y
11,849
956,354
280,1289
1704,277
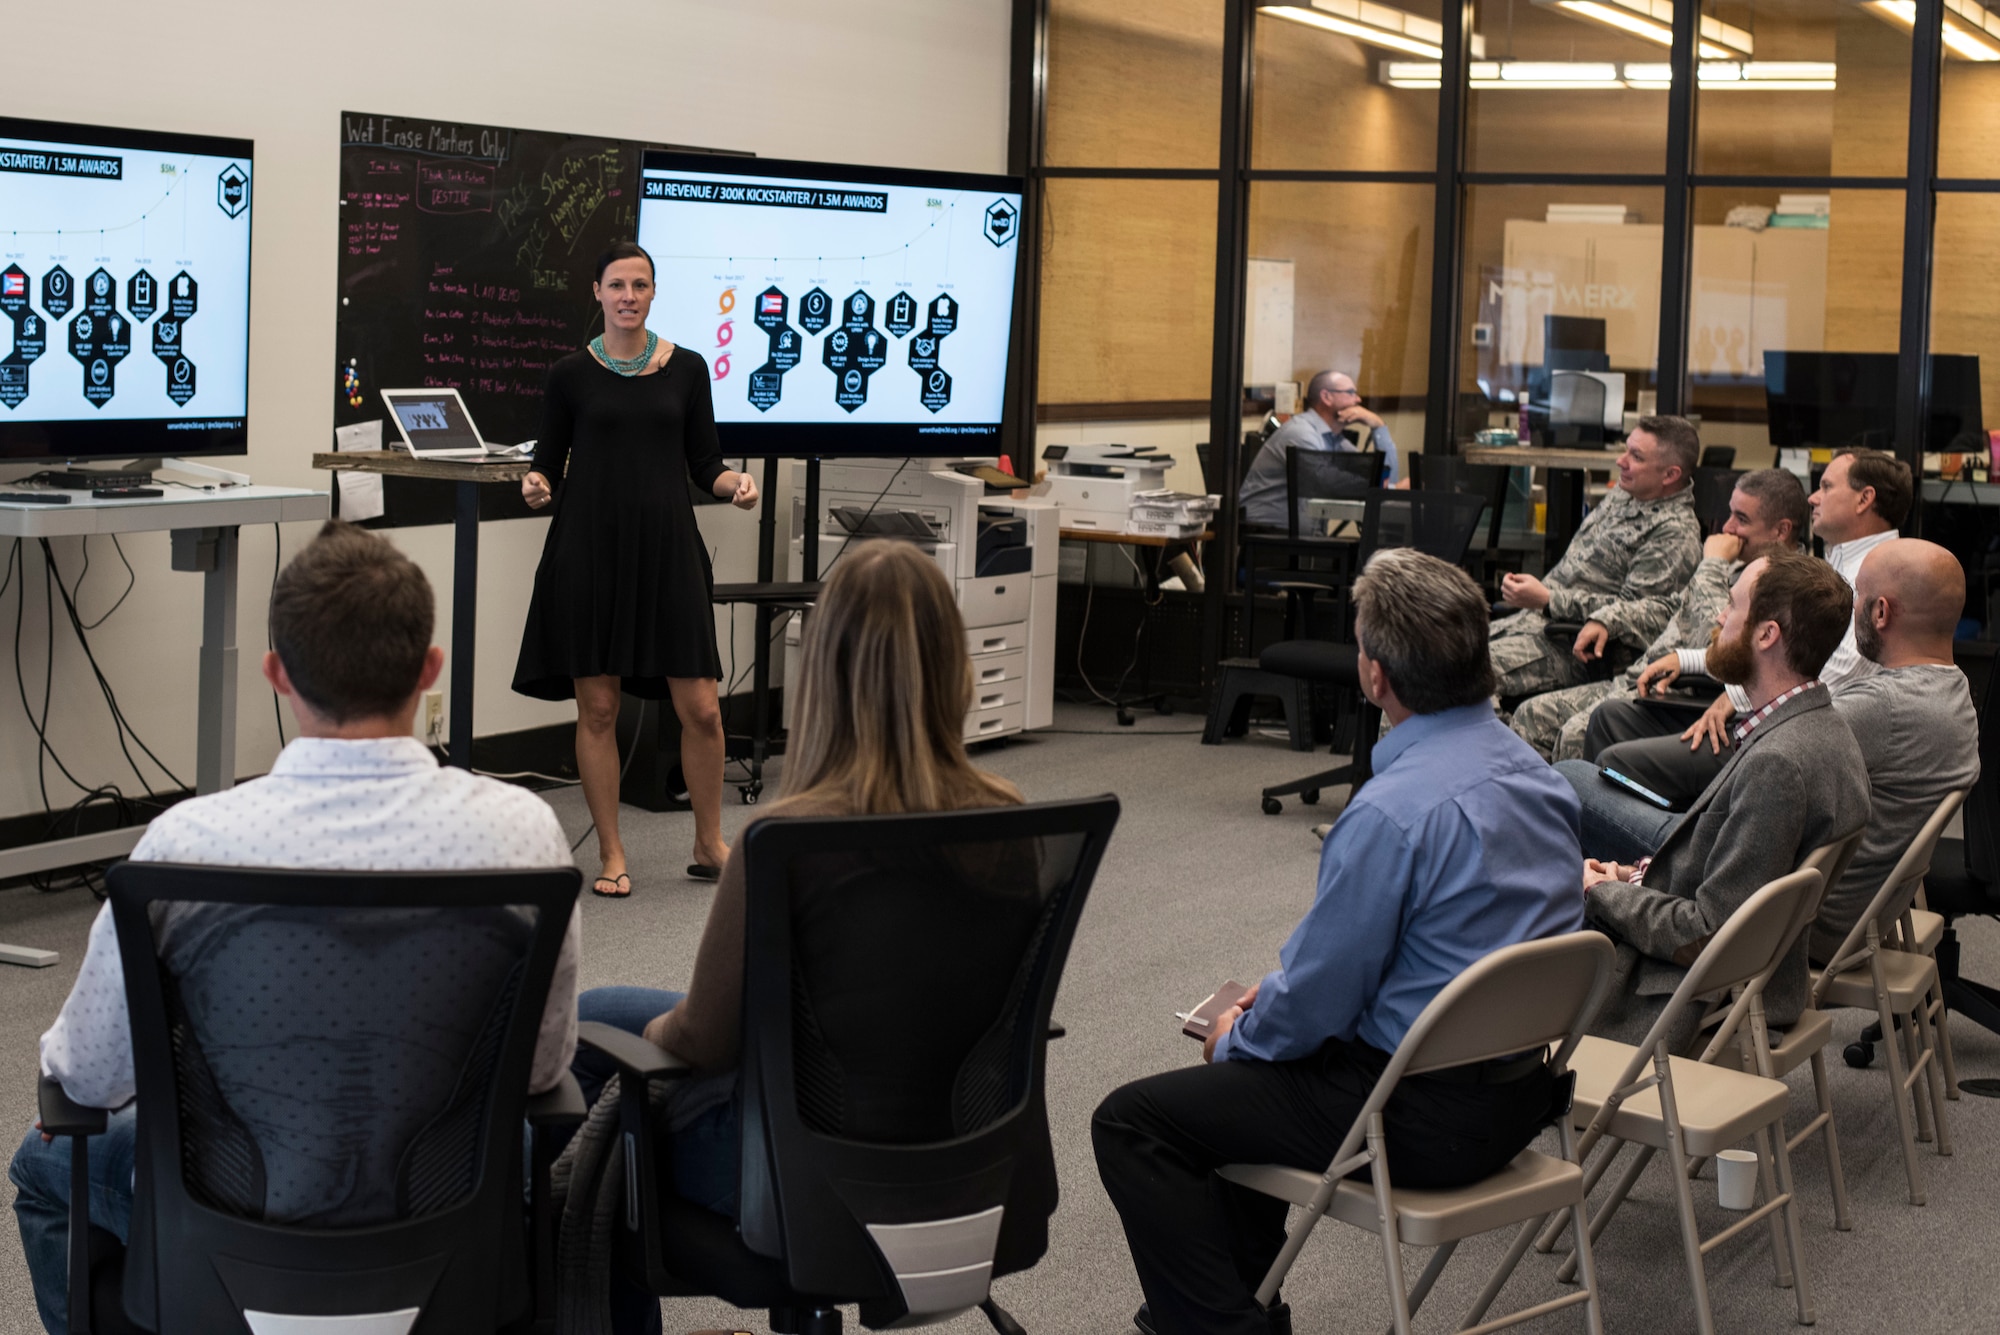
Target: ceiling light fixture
x,y
1770,76
1971,31
1653,21
1365,21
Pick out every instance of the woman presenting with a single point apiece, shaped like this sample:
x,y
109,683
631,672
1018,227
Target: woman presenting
x,y
621,598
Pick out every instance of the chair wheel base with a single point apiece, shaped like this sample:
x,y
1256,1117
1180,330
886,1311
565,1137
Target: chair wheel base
x,y
1984,1089
1272,806
1310,797
1859,1055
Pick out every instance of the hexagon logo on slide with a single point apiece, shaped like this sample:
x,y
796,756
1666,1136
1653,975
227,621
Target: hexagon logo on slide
x,y
180,380
142,296
166,338
13,291
1002,222
924,353
182,293
944,314
815,311
58,292
232,190
937,390
901,316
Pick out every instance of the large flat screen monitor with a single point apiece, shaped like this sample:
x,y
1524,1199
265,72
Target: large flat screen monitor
x,y
1842,399
842,310
124,292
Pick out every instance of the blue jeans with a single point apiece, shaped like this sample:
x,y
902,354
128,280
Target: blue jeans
x,y
703,1154
40,1174
1617,827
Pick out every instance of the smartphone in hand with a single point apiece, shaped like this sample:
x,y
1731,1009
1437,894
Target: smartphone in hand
x,y
1199,1023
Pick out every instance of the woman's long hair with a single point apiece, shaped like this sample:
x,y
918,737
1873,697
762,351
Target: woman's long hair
x,y
884,685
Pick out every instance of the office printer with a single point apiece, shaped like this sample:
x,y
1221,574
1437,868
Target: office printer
x,y
999,554
1094,484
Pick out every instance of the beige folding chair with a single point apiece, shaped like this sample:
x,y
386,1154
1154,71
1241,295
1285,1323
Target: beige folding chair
x,y
1923,931
1864,973
1693,1110
1805,1040
1516,999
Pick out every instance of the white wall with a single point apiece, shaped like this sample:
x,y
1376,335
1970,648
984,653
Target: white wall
x,y
907,83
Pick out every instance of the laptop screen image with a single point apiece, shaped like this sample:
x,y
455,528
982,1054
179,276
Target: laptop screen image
x,y
434,421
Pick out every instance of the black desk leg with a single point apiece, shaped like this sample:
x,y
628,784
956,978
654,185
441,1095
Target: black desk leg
x,y
760,708
1563,513
464,618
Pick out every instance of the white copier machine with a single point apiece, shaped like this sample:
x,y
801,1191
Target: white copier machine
x,y
999,554
1095,484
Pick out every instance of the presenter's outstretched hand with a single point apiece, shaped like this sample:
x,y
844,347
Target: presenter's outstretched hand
x,y
535,491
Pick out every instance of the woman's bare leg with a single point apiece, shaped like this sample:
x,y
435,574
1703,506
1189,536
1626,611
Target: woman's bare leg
x,y
597,764
701,762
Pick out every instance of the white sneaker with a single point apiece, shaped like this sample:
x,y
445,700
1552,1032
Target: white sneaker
x,y
1321,830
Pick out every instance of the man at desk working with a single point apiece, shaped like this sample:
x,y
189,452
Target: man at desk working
x,y
1332,405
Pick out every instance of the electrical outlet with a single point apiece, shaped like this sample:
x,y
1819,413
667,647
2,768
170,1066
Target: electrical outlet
x,y
433,714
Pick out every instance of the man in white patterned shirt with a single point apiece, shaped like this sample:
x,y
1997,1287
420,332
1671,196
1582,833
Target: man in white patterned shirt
x,y
351,621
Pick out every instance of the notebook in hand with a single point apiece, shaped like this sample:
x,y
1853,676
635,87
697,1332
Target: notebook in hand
x,y
1200,1022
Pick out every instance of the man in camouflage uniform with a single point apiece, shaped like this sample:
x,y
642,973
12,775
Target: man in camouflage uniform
x,y
1623,570
1766,512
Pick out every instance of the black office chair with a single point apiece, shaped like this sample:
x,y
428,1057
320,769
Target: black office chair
x,y
1712,489
1718,456
898,977
333,1071
1438,523
1964,879
1448,472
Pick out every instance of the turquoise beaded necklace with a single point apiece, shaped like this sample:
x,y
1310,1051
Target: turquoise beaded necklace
x,y
627,366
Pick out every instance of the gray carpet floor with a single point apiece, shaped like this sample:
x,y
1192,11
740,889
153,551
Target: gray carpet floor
x,y
1199,886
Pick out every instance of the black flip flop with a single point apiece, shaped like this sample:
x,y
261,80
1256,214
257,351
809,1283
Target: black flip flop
x,y
620,879
701,871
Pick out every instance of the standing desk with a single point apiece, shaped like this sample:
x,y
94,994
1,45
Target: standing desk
x,y
204,525
1163,549
464,562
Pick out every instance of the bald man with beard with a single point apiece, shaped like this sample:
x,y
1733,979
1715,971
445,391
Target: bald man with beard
x,y
1913,717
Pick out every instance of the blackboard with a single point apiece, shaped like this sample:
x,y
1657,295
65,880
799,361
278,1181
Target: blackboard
x,y
465,262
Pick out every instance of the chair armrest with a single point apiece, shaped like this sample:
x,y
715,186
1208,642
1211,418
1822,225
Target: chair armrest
x,y
632,1054
61,1117
562,1105
1565,632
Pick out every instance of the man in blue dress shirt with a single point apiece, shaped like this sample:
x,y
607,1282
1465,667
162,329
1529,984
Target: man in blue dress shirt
x,y
1332,408
1465,841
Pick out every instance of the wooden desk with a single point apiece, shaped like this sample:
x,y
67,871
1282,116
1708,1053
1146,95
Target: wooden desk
x,y
1517,456
1131,539
465,557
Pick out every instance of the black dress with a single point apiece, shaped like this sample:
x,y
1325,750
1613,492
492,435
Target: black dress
x,y
624,585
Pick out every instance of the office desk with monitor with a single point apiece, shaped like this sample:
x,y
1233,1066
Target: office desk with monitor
x,y
1567,471
204,527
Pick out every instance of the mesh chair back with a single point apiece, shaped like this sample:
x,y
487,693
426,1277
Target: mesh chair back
x,y
331,1056
1447,472
1526,996
1436,523
1319,475
899,975
1982,806
1712,489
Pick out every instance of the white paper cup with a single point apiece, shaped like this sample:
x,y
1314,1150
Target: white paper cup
x,y
1736,1179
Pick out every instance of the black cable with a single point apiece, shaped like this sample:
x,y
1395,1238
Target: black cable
x,y
277,551
44,751
124,727
131,578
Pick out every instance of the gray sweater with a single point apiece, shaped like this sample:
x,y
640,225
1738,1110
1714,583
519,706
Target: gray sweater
x,y
1920,740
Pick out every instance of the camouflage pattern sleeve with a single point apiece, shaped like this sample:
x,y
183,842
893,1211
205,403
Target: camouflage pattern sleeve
x,y
1663,554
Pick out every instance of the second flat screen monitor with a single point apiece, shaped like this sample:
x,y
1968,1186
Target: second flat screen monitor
x,y
849,311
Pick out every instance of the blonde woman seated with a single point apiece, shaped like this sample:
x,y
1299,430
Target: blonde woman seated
x,y
884,686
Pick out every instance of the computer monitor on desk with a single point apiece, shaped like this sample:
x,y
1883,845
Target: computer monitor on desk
x,y
1839,399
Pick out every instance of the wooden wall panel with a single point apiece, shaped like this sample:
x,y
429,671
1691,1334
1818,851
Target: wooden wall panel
x,y
1134,85
1128,291
1965,288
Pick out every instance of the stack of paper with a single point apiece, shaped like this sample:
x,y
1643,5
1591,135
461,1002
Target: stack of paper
x,y
1170,514
1588,213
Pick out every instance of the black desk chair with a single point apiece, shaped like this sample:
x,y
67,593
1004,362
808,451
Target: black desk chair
x,y
899,972
1964,879
1448,472
1438,523
333,1071
1718,456
1712,489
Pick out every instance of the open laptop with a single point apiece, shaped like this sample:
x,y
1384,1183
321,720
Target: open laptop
x,y
434,424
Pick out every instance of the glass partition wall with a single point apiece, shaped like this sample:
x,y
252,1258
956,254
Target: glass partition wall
x,y
1455,202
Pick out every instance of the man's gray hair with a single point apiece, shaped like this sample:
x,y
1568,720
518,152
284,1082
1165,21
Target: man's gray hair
x,y
1425,622
1319,383
1779,495
1678,439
